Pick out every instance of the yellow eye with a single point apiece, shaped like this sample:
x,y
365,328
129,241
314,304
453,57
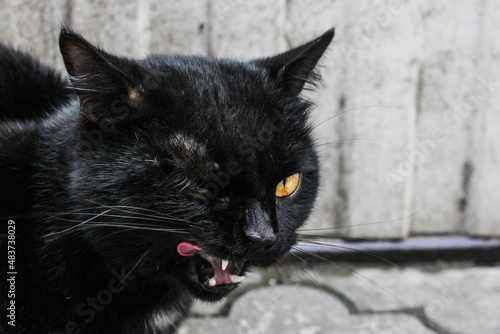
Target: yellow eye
x,y
288,186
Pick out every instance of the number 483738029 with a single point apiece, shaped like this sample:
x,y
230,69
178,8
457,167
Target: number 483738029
x,y
11,245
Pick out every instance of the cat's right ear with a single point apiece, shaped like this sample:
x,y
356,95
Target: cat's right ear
x,y
103,82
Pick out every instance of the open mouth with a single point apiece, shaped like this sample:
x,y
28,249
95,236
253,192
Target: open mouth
x,y
211,273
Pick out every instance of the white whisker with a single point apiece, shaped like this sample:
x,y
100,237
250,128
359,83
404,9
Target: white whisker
x,y
76,226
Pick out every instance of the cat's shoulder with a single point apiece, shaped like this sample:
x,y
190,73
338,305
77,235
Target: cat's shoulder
x,y
29,89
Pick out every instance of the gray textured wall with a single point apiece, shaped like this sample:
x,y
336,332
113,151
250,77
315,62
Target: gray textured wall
x,y
407,114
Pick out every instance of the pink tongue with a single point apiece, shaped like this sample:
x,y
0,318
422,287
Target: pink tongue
x,y
188,249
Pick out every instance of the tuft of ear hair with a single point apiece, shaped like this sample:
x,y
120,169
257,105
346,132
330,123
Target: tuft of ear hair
x,y
99,79
294,68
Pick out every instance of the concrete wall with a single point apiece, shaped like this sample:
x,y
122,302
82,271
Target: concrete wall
x,y
407,113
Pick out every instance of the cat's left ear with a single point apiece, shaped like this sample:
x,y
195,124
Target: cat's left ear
x,y
294,68
102,81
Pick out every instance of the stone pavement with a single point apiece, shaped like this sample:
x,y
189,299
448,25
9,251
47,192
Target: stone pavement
x,y
293,300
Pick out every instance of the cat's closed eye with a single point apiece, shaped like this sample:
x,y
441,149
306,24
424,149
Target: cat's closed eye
x,y
204,192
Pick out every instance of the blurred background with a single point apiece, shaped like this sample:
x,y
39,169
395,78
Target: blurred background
x,y
406,117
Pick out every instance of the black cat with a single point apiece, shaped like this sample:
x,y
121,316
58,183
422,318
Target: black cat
x,y
142,184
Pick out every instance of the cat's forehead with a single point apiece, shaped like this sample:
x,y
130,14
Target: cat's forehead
x,y
200,157
225,111
185,151
195,77
187,143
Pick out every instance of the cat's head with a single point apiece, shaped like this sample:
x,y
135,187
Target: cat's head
x,y
198,167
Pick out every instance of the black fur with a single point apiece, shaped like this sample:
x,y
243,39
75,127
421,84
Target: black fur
x,y
105,181
27,88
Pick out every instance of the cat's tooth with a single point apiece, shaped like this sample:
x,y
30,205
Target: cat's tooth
x,y
212,282
224,264
236,279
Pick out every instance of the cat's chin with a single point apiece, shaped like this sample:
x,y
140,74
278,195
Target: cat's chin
x,y
210,278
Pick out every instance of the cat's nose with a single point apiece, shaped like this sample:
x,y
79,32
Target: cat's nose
x,y
260,239
258,228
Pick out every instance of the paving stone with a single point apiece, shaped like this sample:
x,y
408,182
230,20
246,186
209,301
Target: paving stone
x,y
473,306
464,300
299,310
388,290
377,290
